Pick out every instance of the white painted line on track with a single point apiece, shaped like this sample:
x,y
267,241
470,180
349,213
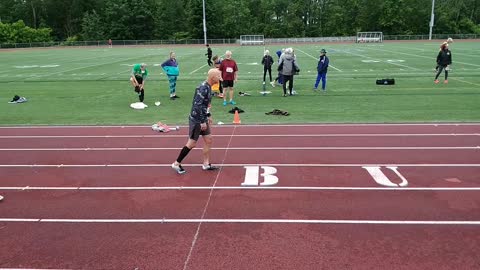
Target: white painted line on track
x,y
253,148
250,125
204,212
279,221
246,188
245,135
299,165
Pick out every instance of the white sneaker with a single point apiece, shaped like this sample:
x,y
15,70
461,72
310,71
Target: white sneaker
x,y
179,169
273,84
209,167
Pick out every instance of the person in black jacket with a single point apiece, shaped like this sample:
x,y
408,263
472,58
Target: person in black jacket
x,y
209,55
444,60
267,62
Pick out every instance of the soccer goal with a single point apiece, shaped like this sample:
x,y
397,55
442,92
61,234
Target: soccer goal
x,y
369,37
252,40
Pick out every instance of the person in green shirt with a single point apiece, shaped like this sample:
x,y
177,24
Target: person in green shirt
x,y
138,78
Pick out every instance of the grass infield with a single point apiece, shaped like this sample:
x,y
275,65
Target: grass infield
x,y
89,86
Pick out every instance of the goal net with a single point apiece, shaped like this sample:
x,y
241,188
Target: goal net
x,y
252,40
369,37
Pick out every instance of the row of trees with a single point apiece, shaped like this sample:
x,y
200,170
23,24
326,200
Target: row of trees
x,y
178,19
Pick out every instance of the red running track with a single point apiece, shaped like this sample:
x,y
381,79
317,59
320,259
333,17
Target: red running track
x,y
82,198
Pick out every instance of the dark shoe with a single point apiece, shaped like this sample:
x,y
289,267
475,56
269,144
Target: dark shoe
x,y
209,167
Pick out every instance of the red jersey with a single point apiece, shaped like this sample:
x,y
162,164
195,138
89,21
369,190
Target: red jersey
x,y
228,67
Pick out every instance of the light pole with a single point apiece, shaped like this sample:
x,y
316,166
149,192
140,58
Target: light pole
x,y
432,18
204,25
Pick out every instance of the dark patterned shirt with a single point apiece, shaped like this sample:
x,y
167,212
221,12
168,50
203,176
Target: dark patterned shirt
x,y
201,102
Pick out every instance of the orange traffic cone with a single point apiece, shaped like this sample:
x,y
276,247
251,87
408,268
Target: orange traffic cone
x,y
236,118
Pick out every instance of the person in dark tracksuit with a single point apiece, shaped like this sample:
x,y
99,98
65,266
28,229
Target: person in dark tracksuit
x,y
322,69
267,62
209,55
444,60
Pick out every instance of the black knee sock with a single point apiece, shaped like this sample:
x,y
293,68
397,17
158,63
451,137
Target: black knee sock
x,y
183,154
142,95
446,75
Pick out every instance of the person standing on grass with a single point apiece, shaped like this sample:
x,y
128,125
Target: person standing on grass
x,y
444,60
229,70
170,67
199,122
209,55
217,61
288,67
279,77
322,68
267,62
138,78
449,40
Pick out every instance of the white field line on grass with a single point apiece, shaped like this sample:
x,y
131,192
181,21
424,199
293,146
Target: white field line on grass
x,y
253,125
197,69
277,221
299,165
467,82
311,56
422,56
457,51
132,188
83,67
392,63
253,148
220,135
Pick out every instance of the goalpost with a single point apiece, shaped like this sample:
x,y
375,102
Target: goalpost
x,y
369,37
252,40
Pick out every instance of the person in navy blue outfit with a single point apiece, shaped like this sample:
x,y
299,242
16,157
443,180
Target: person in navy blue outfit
x,y
322,69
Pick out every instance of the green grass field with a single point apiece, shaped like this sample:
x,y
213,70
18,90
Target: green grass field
x,y
89,86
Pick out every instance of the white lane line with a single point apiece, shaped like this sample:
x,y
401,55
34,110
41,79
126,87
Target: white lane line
x,y
247,188
194,241
242,135
311,56
281,221
257,125
254,148
299,165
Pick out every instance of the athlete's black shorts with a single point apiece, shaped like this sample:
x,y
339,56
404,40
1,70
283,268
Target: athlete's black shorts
x,y
195,130
227,83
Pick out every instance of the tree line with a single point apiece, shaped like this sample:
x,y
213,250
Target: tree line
x,y
182,19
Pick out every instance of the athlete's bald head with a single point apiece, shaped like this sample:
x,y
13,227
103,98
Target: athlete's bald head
x,y
214,76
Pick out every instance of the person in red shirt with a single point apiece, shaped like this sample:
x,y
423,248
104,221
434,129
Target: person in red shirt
x,y
229,70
